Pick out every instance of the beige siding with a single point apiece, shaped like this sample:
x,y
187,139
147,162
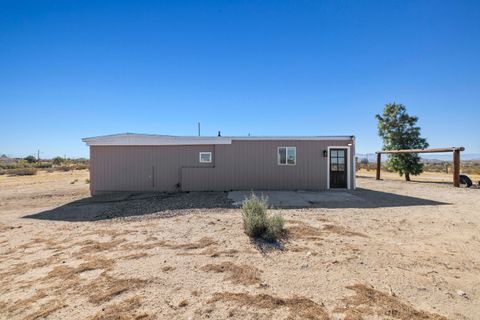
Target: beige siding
x,y
242,165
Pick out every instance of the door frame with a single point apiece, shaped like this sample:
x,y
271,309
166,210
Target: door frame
x,y
349,173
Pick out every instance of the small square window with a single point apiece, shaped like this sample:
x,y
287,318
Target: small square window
x,y
205,157
287,156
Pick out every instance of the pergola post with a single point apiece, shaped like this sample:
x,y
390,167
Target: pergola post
x,y
456,168
379,163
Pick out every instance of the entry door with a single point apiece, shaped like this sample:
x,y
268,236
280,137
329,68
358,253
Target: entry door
x,y
338,168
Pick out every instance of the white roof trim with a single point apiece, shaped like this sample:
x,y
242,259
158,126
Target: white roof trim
x,y
132,139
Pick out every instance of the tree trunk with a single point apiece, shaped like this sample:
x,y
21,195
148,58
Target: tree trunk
x,y
407,176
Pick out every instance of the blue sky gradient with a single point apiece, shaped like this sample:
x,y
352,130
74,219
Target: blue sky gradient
x,y
72,69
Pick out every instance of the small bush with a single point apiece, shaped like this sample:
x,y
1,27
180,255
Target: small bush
x,y
57,161
23,172
30,159
81,167
254,212
87,181
274,227
43,165
256,222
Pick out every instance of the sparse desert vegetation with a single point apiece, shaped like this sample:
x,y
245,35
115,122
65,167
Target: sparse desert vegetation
x,y
257,223
403,252
30,165
469,167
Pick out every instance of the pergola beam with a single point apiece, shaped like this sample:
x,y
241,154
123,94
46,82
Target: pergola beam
x,y
456,159
453,149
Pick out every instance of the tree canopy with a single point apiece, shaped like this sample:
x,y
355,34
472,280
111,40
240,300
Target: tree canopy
x,y
30,159
399,130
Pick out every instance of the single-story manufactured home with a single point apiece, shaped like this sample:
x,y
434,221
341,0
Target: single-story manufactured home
x,y
144,162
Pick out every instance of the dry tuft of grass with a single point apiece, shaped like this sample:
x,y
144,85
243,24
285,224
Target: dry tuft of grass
x,y
368,301
302,230
106,287
125,309
113,233
22,268
66,273
22,304
63,273
95,263
46,309
144,246
200,244
238,274
91,246
298,306
183,303
212,252
37,241
135,256
343,231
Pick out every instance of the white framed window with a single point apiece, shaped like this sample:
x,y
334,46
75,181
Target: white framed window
x,y
205,157
287,156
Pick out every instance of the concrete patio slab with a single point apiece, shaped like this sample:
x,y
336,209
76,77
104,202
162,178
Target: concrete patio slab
x,y
285,199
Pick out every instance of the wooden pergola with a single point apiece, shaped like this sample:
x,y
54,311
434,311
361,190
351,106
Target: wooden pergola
x,y
456,159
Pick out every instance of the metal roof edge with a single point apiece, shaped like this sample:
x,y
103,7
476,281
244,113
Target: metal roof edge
x,y
155,139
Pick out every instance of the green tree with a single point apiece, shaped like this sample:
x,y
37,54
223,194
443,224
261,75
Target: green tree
x,y
57,161
30,159
398,130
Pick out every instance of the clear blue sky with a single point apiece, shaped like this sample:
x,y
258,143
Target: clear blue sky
x,y
72,69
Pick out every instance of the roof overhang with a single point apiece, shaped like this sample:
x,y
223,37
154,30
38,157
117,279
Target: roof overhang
x,y
132,139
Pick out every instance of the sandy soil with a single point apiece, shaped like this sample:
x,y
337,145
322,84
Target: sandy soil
x,y
437,177
409,251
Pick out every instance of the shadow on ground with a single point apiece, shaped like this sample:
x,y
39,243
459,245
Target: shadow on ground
x,y
136,204
359,198
120,205
379,199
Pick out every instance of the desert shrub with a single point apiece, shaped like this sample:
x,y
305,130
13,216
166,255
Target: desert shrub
x,y
30,159
257,223
57,161
254,212
23,172
87,181
65,168
13,165
274,227
81,166
43,165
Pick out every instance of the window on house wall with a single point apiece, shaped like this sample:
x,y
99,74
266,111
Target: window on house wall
x,y
287,156
205,157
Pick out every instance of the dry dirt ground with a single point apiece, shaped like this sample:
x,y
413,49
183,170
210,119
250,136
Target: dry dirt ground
x,y
410,251
436,177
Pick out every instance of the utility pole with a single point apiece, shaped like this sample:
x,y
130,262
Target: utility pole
x,y
199,129
38,155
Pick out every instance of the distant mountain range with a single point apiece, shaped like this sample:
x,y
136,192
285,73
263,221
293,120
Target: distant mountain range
x,y
426,157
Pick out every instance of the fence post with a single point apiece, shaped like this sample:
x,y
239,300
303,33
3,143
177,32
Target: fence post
x,y
379,163
456,168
